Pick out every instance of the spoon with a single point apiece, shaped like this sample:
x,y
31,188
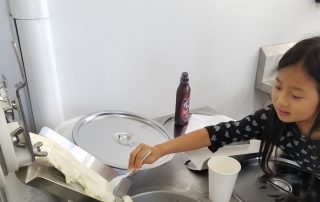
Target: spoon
x,y
115,183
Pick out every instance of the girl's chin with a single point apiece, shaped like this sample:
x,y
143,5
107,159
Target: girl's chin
x,y
285,119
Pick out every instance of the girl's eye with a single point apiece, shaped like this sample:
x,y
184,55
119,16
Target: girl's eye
x,y
277,87
297,97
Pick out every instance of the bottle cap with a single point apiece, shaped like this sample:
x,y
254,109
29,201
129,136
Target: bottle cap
x,y
184,77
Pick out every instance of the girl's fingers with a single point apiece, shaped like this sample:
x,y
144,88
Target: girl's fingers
x,y
137,156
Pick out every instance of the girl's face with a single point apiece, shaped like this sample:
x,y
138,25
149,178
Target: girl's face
x,y
295,97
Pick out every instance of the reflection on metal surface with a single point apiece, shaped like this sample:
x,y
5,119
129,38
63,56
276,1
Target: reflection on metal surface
x,y
3,197
280,183
49,179
105,132
178,129
162,196
126,139
285,184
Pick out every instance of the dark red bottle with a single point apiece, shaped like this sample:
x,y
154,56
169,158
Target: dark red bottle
x,y
182,100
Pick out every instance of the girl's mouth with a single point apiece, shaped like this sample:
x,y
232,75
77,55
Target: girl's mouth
x,y
283,113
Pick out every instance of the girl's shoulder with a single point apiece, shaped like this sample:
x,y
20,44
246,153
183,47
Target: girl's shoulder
x,y
268,107
264,112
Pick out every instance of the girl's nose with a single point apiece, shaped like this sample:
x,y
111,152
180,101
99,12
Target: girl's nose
x,y
283,100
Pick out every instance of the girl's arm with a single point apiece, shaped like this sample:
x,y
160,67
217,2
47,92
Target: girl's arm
x,y
215,136
194,140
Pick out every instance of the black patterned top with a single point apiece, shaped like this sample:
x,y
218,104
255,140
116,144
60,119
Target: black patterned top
x,y
292,142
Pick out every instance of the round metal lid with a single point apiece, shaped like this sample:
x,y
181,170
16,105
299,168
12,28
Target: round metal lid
x,y
111,136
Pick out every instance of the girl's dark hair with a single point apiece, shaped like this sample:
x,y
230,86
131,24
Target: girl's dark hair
x,y
306,52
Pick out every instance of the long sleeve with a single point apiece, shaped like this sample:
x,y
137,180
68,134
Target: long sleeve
x,y
250,127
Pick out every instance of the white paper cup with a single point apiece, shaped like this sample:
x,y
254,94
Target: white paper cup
x,y
223,172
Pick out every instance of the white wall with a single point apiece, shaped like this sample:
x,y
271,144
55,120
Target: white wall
x,y
129,55
9,64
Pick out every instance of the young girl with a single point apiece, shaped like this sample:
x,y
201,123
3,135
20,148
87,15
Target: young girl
x,y
291,123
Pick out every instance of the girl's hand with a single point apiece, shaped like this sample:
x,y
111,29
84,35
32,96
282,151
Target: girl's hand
x,y
138,156
194,140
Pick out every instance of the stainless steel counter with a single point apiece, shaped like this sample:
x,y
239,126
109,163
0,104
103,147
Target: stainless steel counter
x,y
174,176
